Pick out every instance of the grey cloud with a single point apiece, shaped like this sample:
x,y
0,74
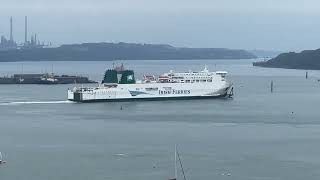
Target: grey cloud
x,y
245,24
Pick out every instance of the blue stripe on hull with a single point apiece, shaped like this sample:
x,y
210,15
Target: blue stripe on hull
x,y
151,99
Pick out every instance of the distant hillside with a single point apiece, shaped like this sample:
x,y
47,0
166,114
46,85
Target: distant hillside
x,y
309,59
265,53
120,51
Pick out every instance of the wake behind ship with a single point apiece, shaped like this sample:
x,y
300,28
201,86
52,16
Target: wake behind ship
x,y
120,84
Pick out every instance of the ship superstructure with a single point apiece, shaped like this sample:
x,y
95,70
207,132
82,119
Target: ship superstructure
x,y
120,84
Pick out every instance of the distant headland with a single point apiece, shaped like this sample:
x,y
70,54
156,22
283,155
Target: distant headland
x,y
308,59
120,51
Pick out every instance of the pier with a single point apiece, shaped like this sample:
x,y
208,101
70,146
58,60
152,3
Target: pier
x,y
44,79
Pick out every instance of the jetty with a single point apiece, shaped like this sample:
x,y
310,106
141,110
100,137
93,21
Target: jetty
x,y
47,78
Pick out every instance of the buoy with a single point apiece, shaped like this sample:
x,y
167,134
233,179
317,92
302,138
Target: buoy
x,y
306,74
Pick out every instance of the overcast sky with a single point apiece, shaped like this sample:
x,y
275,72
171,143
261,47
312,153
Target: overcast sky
x,y
243,24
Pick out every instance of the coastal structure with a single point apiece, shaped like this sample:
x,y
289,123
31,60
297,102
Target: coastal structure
x,y
8,44
47,78
11,44
119,84
33,42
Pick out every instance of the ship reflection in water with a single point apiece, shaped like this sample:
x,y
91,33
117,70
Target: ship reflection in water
x,y
44,79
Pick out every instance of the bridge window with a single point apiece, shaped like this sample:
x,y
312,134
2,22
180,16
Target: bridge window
x,y
151,89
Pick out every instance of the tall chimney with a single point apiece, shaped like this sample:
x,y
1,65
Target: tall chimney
x,y
11,35
25,30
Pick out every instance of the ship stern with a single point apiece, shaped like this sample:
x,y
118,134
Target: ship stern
x,y
70,95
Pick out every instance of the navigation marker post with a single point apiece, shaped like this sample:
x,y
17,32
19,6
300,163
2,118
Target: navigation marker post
x,y
307,75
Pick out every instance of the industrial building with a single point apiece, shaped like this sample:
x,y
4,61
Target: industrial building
x,y
10,44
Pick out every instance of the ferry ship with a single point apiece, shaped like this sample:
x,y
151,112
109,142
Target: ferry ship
x,y
120,84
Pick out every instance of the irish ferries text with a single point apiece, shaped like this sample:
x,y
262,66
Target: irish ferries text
x,y
173,91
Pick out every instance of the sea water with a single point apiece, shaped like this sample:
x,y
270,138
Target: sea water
x,y
257,135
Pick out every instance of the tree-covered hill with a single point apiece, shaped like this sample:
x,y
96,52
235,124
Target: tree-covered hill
x,y
120,51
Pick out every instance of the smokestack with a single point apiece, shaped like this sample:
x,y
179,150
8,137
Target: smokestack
x,y
35,39
11,35
25,30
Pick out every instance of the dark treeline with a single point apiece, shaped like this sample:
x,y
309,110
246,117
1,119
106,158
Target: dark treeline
x,y
309,59
120,51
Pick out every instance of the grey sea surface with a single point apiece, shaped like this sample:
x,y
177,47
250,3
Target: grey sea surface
x,y
257,135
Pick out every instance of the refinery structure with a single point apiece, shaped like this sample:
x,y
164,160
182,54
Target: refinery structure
x,y
11,44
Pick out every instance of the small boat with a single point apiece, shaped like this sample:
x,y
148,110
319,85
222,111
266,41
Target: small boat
x,y
177,157
1,160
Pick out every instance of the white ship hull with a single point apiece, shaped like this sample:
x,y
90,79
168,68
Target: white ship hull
x,y
151,91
